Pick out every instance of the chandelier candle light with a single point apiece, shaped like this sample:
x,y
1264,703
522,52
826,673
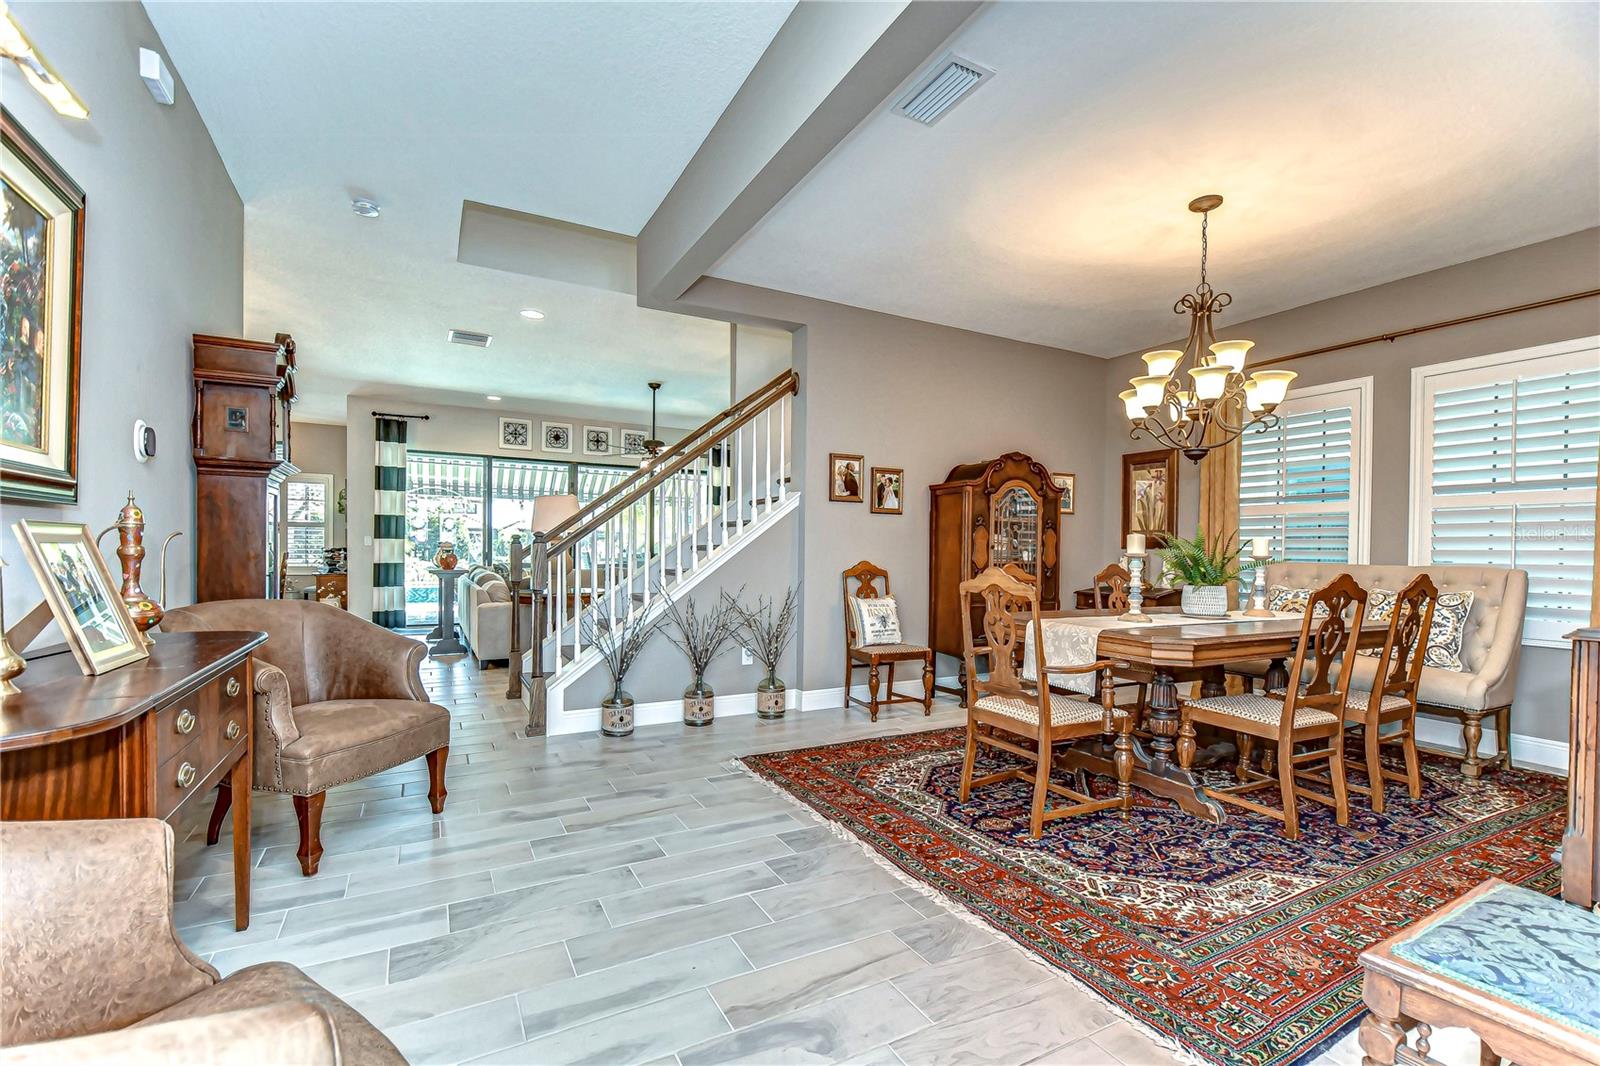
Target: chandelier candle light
x,y
1178,412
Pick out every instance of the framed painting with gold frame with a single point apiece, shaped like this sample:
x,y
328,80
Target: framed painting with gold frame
x,y
1150,495
888,490
1068,484
844,478
41,273
82,596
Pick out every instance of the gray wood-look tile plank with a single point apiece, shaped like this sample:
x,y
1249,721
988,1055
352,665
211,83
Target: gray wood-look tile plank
x,y
943,938
606,835
1015,1028
338,942
345,977
461,1034
831,1031
635,810
837,857
972,980
320,916
636,1035
816,836
826,928
694,863
727,833
755,997
787,901
386,878
215,903
476,943
541,871
597,951
525,902
481,840
454,987
691,892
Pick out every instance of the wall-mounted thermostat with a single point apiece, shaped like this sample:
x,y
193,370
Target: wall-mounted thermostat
x,y
144,441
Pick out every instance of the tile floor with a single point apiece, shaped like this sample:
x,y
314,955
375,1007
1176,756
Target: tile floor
x,y
594,900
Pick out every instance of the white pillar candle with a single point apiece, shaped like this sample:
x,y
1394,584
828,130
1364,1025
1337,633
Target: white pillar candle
x,y
1135,544
1260,547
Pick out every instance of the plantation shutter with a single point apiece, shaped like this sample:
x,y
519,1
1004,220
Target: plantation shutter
x,y
1511,479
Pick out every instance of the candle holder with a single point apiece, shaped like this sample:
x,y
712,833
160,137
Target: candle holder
x,y
1258,593
1135,612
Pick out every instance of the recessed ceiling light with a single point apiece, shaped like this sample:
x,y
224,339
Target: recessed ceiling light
x,y
365,207
531,313
492,399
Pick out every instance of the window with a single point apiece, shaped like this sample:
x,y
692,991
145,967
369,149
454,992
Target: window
x,y
1303,483
1506,451
308,519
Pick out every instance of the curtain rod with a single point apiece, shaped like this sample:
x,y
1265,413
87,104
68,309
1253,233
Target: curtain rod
x,y
391,414
1463,320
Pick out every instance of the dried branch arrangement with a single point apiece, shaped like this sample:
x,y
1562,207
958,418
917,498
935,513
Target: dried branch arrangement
x,y
620,643
700,635
767,629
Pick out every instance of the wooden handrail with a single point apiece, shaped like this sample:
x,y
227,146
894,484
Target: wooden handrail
x,y
788,381
600,513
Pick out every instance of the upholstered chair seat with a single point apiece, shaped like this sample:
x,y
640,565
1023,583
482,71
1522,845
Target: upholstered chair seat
x,y
337,699
95,972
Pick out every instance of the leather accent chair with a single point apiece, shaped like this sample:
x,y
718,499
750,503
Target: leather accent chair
x,y
95,972
337,699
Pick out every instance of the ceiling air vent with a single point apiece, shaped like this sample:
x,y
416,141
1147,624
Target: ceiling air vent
x,y
467,336
941,88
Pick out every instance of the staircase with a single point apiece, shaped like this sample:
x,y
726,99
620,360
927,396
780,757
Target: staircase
x,y
665,528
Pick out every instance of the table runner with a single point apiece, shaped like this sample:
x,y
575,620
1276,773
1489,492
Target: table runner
x,y
1074,642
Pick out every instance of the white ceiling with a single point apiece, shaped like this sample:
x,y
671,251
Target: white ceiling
x,y
1355,144
585,112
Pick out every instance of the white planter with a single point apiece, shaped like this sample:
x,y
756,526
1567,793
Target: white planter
x,y
1210,601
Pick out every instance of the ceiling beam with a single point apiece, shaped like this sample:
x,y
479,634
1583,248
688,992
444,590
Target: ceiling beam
x,y
828,68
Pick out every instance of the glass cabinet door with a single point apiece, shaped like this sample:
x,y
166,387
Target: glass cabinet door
x,y
1014,529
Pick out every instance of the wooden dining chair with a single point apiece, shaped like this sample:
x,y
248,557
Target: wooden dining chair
x,y
1114,578
1303,714
873,657
1031,711
1393,697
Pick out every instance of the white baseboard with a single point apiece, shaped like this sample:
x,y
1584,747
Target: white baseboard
x,y
1536,752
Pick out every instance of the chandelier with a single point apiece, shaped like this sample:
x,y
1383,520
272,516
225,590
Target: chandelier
x,y
1181,412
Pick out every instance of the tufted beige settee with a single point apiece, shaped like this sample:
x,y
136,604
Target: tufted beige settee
x,y
1490,648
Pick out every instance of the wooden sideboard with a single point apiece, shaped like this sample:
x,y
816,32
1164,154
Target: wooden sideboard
x,y
149,740
1580,847
1083,599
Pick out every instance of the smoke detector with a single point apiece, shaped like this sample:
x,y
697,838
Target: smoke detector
x,y
470,337
943,86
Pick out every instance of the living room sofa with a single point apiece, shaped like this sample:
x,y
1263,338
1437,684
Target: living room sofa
x,y
1491,646
483,611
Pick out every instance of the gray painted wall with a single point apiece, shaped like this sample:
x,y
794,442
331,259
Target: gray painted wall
x,y
1550,268
320,449
163,253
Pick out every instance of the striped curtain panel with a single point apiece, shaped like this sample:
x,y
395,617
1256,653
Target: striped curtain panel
x,y
389,524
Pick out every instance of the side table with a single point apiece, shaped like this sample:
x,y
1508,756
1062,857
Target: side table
x,y
447,642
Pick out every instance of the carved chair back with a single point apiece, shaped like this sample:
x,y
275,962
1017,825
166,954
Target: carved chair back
x,y
1400,663
1006,607
867,578
1115,577
1020,572
1333,618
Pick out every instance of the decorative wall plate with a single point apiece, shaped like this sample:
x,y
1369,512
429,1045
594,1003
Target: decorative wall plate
x,y
557,436
516,433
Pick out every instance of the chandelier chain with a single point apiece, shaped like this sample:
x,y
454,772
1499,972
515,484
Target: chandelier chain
x,y
1205,221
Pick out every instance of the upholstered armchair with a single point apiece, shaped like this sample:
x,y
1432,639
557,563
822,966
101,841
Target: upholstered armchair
x,y
95,972
337,699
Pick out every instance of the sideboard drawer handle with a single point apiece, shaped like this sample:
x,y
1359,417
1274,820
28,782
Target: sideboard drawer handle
x,y
233,686
186,775
185,722
232,731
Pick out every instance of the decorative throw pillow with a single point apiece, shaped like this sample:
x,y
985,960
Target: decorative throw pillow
x,y
877,621
1284,598
1450,614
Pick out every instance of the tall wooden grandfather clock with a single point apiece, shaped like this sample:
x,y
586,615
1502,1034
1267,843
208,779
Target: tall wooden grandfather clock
x,y
243,391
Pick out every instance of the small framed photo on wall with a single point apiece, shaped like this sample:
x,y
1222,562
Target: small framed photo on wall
x,y
1068,484
888,490
844,478
516,433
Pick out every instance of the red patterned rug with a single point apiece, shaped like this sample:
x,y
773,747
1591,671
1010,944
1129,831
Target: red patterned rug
x,y
1237,945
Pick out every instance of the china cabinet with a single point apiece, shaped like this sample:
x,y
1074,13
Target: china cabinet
x,y
1002,512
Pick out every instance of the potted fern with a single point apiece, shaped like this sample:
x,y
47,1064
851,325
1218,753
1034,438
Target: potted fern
x,y
701,636
767,629
1206,569
619,644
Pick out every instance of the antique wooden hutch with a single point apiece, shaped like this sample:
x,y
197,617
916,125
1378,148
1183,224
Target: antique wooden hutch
x,y
240,435
1003,512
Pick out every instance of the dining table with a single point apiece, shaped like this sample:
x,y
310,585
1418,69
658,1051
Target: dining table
x,y
1163,655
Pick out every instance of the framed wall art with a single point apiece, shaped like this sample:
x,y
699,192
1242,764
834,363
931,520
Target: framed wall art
x,y
81,593
633,441
597,440
888,490
1068,484
1150,495
41,292
844,478
516,433
557,436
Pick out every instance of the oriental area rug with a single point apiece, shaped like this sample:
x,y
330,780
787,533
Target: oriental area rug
x,y
1237,946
